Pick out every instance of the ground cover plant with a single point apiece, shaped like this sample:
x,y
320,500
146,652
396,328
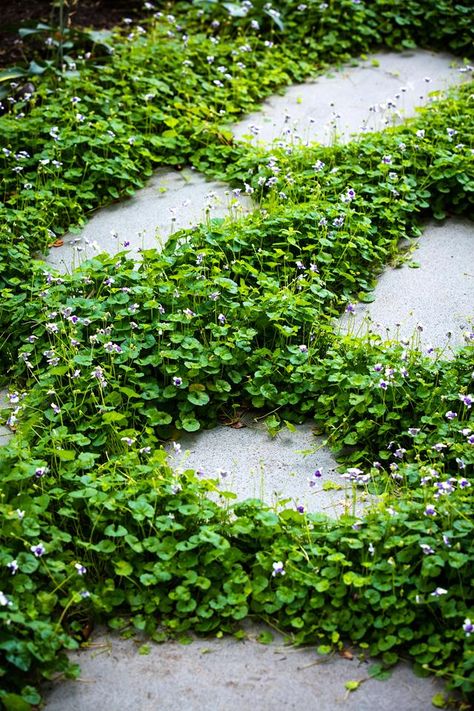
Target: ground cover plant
x,y
113,359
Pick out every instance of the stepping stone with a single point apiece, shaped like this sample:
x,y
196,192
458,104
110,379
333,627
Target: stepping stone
x,y
437,297
172,200
5,433
381,91
222,674
252,464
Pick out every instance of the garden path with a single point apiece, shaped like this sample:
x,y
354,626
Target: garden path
x,y
380,91
437,296
225,674
253,464
174,200
171,201
194,677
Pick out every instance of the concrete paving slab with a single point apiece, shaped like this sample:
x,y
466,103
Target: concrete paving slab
x,y
224,674
437,297
172,200
252,464
381,91
5,432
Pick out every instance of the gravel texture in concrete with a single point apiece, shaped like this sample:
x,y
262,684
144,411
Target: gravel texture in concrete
x,y
252,464
424,304
225,674
171,201
380,91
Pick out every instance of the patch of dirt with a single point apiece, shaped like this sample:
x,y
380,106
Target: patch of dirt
x,y
99,14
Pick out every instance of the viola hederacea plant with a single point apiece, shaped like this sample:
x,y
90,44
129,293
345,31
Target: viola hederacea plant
x,y
111,361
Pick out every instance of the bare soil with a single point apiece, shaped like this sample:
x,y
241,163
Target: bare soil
x,y
98,14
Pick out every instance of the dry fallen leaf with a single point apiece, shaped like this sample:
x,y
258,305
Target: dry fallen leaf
x,y
86,631
58,243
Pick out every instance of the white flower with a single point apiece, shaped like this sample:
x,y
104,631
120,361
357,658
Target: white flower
x,y
4,600
278,569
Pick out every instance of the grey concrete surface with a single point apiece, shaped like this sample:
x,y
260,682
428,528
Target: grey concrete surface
x,y
381,91
437,297
252,464
225,674
5,432
172,200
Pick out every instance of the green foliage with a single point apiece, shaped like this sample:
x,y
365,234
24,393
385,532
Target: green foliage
x,y
113,359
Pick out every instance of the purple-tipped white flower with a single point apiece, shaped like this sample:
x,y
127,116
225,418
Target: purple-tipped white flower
x,y
446,541
300,508
468,627
348,196
303,348
12,566
450,415
177,447
112,347
278,569
430,510
177,381
356,475
40,471
413,431
438,592
383,384
222,319
55,408
127,440
387,160
80,569
439,446
427,550
38,550
467,400
350,309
